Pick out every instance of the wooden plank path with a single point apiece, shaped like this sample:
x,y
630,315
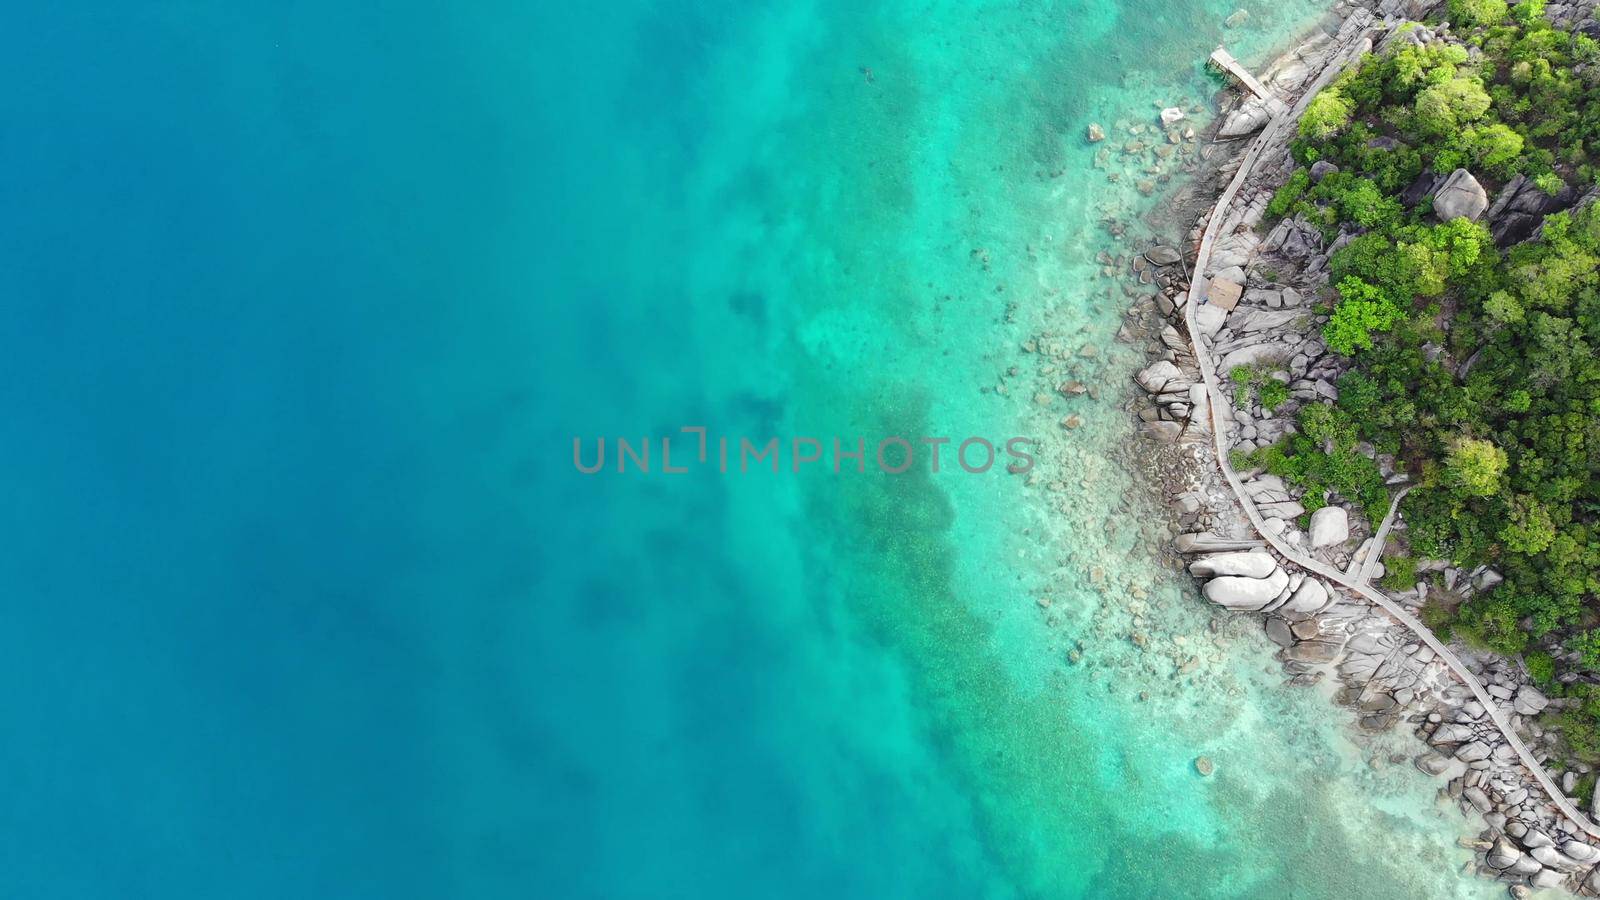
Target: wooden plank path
x,y
1224,60
1218,400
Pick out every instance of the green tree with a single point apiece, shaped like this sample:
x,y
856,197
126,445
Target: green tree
x,y
1326,115
1472,13
1587,644
1443,108
1475,466
1490,621
1363,309
1503,308
1529,528
1495,147
1528,13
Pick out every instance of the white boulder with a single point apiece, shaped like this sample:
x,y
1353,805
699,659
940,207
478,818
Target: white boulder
x,y
1239,592
1156,376
1250,116
1309,597
1329,525
1461,196
1529,701
1503,855
1249,563
1584,853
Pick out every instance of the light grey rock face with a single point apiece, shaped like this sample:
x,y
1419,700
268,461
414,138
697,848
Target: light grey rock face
x,y
1209,319
1238,592
1555,859
1249,563
1471,752
1535,839
1249,117
1157,375
1164,432
1283,509
1310,596
1547,879
1247,321
1314,651
1199,402
1329,525
1163,256
1268,351
1322,169
1529,701
1278,631
1584,853
1525,865
1206,542
1461,196
1477,798
1503,855
1233,273
1435,764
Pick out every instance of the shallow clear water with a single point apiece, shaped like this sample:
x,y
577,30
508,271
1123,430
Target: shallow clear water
x,y
305,598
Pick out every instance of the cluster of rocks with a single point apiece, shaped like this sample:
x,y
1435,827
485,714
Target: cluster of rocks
x,y
1574,15
1149,152
1253,580
1525,841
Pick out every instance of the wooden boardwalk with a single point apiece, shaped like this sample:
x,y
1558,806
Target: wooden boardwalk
x,y
1224,60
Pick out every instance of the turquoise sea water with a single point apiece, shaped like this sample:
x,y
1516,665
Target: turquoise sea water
x,y
306,303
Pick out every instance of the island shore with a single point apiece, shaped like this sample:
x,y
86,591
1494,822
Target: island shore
x,y
1253,300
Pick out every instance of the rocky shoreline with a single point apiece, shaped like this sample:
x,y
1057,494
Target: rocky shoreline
x,y
1264,289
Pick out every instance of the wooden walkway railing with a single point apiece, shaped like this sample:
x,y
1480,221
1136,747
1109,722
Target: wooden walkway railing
x,y
1224,60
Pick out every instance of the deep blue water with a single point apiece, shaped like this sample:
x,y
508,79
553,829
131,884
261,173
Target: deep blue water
x,y
304,304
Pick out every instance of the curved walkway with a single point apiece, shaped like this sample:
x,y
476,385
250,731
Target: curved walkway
x,y
1355,585
1375,552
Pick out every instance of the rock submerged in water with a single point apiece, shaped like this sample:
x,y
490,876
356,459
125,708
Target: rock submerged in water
x,y
1204,766
1096,133
1163,256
